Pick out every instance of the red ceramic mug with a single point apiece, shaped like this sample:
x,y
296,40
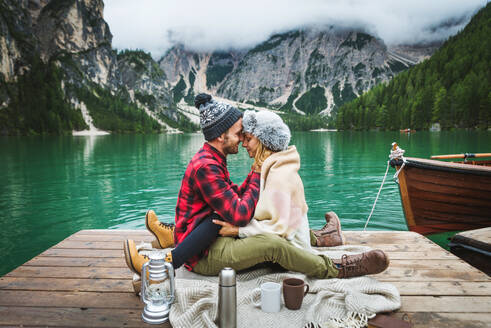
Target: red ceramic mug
x,y
293,292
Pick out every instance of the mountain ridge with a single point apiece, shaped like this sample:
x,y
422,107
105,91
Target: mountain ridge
x,y
65,47
294,72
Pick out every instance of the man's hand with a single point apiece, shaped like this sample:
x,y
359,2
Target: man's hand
x,y
227,230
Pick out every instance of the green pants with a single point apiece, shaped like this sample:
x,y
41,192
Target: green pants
x,y
241,254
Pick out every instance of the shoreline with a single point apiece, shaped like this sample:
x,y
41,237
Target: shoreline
x,y
89,133
324,130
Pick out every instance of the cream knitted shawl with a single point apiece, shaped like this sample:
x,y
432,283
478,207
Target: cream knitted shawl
x,y
281,208
329,303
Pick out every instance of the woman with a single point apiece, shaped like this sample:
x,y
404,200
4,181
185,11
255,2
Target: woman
x,y
281,208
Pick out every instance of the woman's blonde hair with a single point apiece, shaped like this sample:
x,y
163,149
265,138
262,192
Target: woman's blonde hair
x,y
262,152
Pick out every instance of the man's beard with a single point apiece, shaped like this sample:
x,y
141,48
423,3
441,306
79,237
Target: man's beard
x,y
230,148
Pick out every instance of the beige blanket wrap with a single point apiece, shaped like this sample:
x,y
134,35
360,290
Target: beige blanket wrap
x,y
281,208
329,303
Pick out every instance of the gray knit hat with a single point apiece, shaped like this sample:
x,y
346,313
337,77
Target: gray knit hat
x,y
215,117
268,127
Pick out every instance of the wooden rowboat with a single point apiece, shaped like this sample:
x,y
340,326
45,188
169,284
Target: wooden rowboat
x,y
442,196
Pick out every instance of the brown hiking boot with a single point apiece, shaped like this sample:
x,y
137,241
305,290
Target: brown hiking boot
x,y
134,260
164,232
371,262
330,235
137,286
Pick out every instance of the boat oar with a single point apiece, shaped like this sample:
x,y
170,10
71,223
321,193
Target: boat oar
x,y
466,155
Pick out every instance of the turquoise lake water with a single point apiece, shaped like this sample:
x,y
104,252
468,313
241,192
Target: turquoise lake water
x,y
52,187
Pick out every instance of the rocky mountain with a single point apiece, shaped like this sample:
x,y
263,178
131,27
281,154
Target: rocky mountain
x,y
16,39
100,87
309,71
59,73
190,73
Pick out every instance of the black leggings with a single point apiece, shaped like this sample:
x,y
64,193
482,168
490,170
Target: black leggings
x,y
196,242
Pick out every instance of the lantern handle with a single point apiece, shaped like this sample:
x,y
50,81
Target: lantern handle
x,y
170,272
143,281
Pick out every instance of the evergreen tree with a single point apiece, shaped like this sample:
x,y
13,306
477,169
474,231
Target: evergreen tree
x,y
451,88
38,104
441,108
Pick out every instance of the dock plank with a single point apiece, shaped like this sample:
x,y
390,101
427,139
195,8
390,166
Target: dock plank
x,y
482,235
111,237
89,244
117,300
446,320
451,304
74,317
71,272
410,274
59,261
56,284
83,281
443,288
65,252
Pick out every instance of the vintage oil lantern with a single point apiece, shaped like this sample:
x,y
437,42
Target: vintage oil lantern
x,y
157,288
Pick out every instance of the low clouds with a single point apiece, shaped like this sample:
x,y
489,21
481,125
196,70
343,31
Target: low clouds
x,y
155,25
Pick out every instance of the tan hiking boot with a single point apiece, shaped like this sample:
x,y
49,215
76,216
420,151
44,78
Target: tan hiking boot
x,y
371,262
330,235
164,232
134,260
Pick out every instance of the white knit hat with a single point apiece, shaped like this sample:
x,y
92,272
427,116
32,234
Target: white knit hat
x,y
268,127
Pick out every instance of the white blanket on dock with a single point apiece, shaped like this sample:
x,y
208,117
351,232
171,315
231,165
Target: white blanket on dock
x,y
329,303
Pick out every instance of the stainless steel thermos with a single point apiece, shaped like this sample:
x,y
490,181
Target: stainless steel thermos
x,y
227,299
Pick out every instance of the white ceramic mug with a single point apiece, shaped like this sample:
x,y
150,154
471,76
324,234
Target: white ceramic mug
x,y
270,297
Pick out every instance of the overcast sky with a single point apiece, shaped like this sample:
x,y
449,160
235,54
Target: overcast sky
x,y
155,25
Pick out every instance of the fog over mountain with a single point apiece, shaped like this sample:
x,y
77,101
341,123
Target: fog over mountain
x,y
155,25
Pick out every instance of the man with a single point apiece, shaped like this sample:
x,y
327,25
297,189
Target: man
x,y
239,253
206,192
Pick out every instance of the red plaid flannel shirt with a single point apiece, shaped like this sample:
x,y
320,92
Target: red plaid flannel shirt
x,y
206,188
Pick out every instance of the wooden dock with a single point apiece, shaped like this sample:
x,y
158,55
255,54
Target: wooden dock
x,y
83,282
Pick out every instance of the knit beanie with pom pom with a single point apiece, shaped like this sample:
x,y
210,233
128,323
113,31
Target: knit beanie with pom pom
x,y
215,117
268,127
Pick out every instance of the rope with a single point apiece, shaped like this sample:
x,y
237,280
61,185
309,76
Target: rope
x,y
396,153
376,198
396,175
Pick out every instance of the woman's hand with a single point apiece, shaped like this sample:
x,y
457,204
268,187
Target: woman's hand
x,y
256,168
227,230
